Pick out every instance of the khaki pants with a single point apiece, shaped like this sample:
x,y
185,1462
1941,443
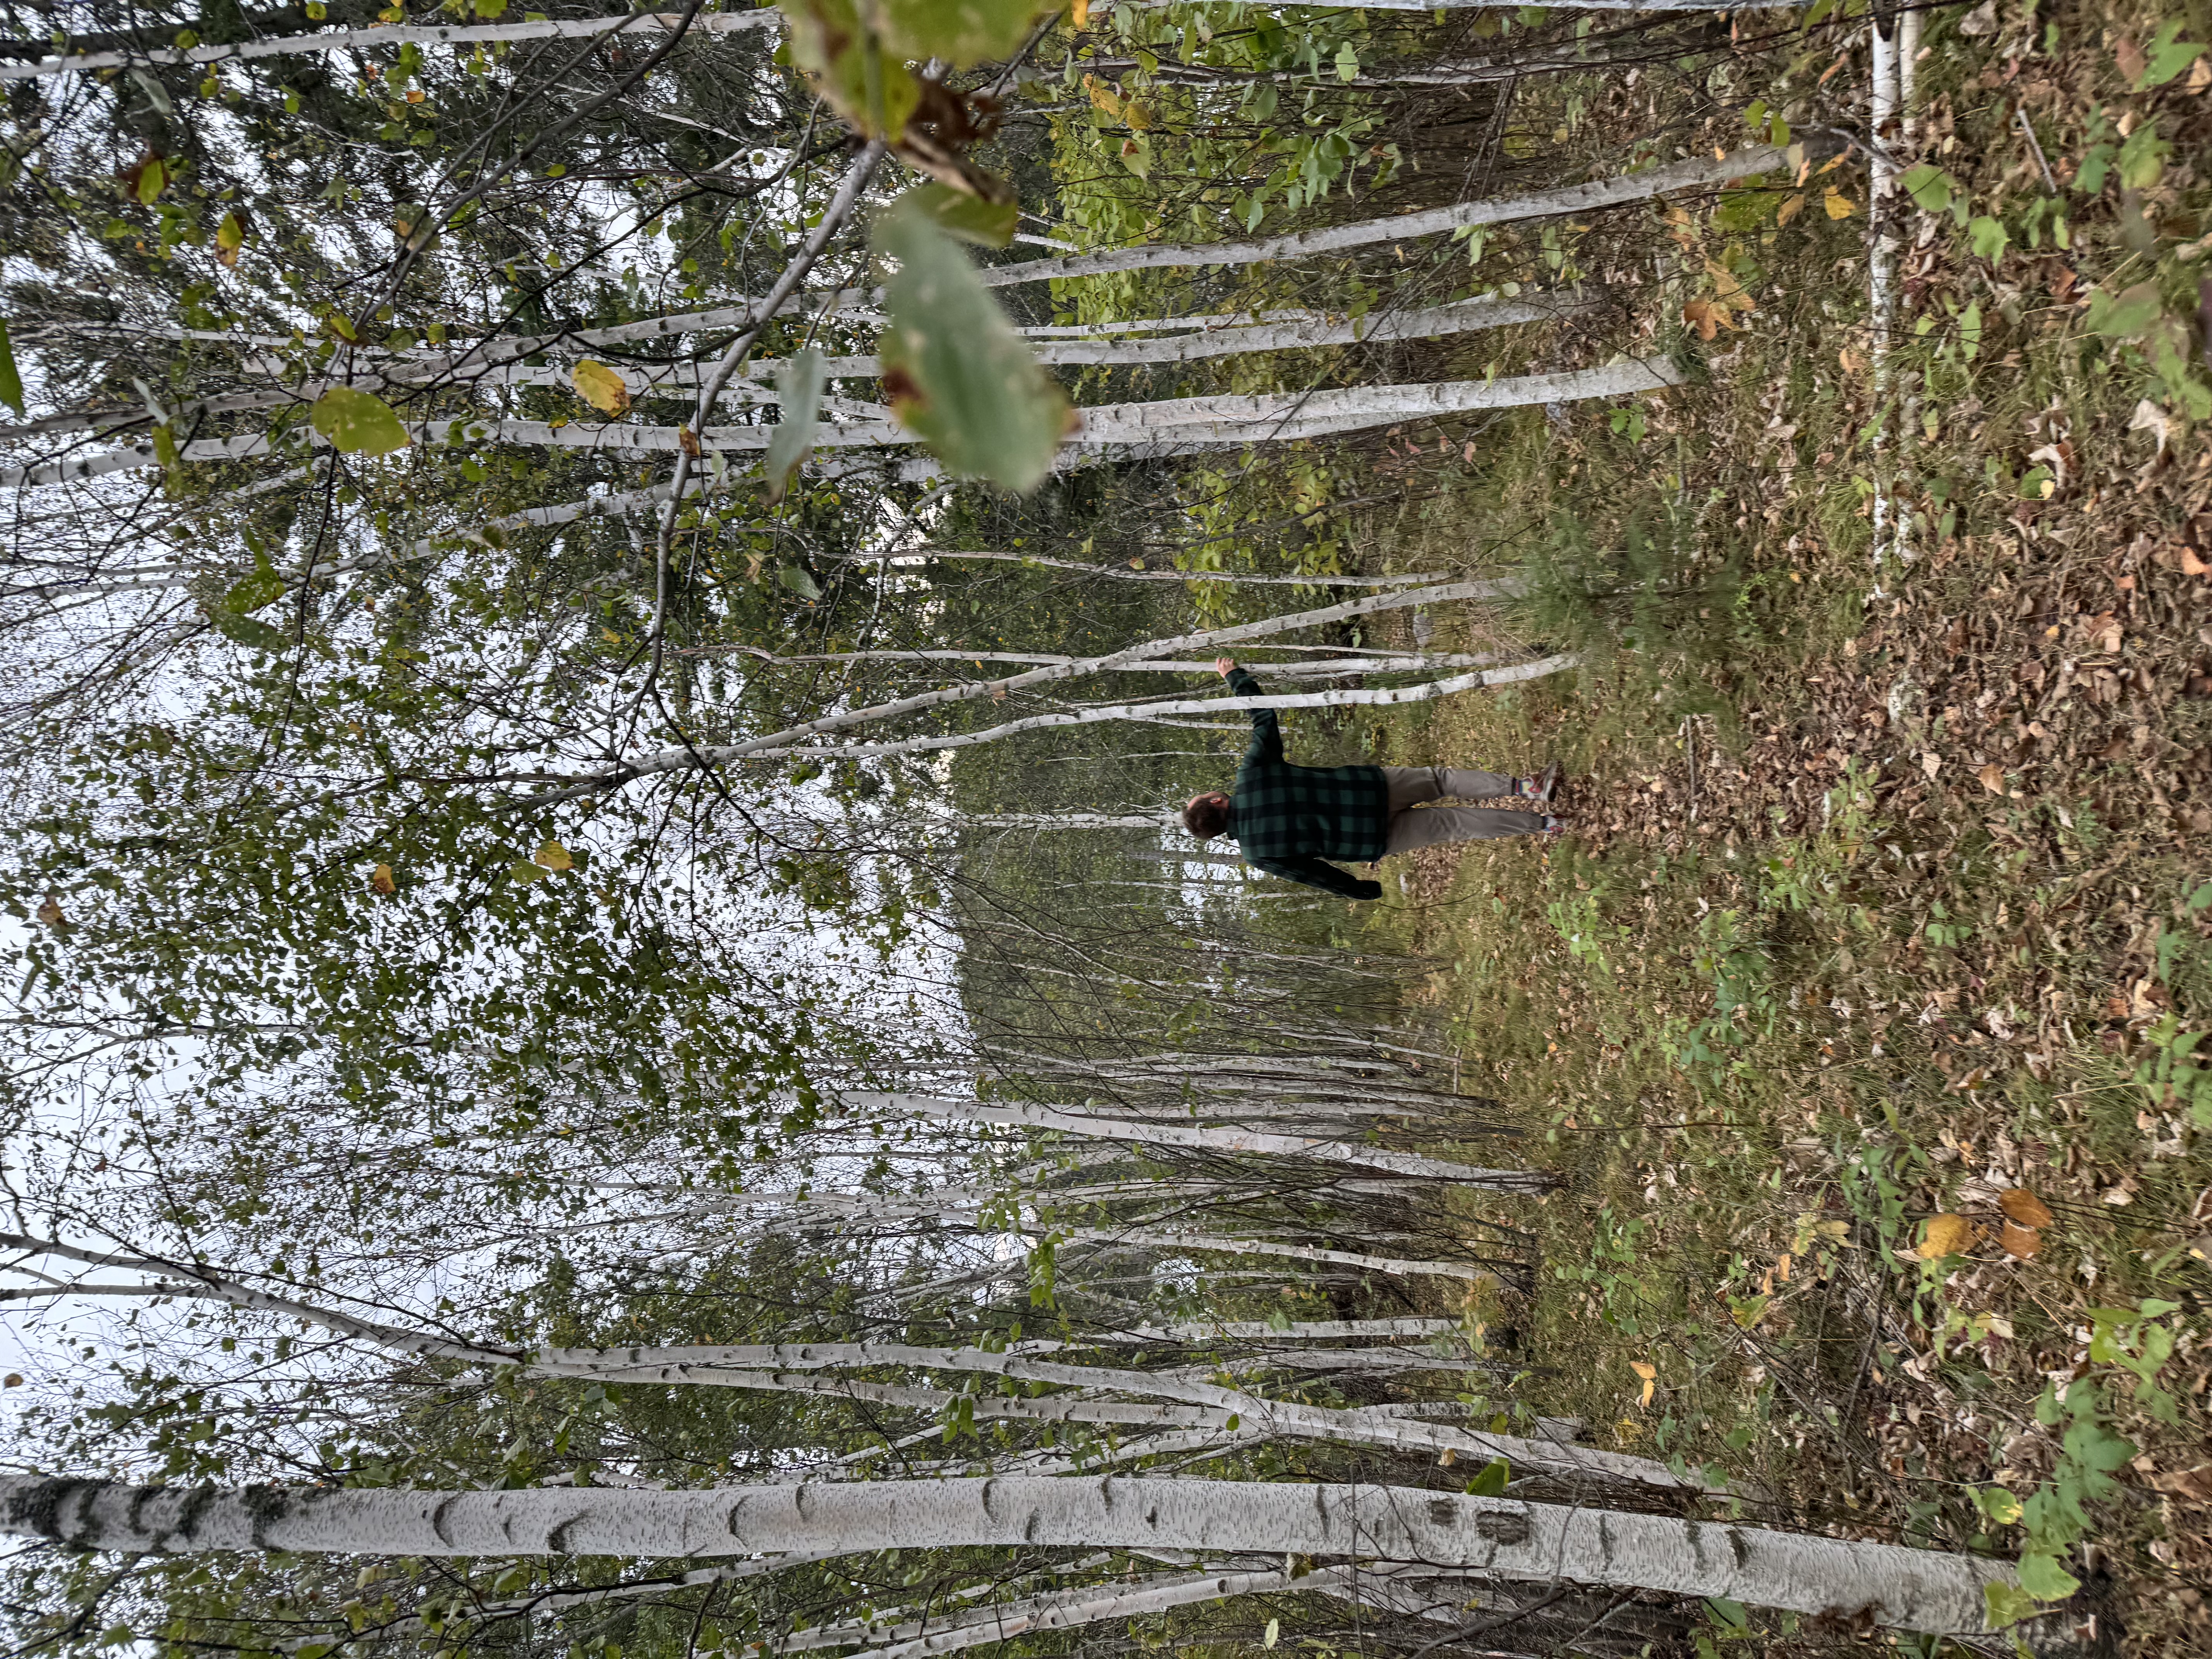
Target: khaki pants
x,y
1434,826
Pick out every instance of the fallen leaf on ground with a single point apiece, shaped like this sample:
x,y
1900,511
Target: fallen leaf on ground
x,y
2018,1241
1993,778
2024,1207
1947,1235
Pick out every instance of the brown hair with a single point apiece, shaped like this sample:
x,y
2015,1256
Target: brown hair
x,y
1206,816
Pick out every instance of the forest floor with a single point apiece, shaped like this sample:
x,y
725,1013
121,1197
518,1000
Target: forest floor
x,y
1857,1015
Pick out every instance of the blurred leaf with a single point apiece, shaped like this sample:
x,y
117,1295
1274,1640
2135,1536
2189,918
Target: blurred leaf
x,y
553,856
2041,1577
970,218
11,383
2008,1604
799,392
960,32
2168,56
793,577
380,881
873,90
1947,1235
264,586
2024,1207
356,421
2125,315
954,370
600,386
1988,237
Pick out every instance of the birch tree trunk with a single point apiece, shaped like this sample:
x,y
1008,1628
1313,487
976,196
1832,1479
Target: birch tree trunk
x,y
1146,1132
295,45
1697,172
1907,1589
1199,422
1520,673
691,758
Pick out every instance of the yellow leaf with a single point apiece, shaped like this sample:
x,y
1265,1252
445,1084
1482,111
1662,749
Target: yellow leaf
x,y
1837,206
553,856
1790,209
1137,115
1103,97
2024,1207
1649,1373
1947,1235
380,881
600,386
1081,16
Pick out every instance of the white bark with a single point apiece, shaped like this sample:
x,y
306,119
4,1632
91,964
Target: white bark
x,y
1518,674
294,45
1122,573
1326,668
1910,1589
1881,274
1147,1132
689,758
1698,172
1177,422
1147,1238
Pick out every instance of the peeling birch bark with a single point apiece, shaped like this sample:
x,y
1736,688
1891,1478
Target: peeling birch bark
x,y
1907,1589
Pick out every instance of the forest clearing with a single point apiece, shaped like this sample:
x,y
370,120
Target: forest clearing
x,y
620,1049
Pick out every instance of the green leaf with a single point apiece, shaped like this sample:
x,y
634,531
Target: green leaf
x,y
797,581
2126,315
873,90
1970,331
2042,1577
11,383
523,870
1999,1504
491,9
1492,1480
2143,157
356,421
970,218
954,370
799,391
1929,186
1347,63
2008,1604
247,631
1988,237
960,32
1727,1612
264,586
2167,57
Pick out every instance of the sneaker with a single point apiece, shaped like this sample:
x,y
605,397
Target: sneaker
x,y
1553,826
1542,786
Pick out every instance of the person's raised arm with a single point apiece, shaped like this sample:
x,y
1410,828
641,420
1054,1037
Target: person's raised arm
x,y
1267,743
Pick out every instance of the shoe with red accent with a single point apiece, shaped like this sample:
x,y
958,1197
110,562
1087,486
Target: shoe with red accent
x,y
1541,787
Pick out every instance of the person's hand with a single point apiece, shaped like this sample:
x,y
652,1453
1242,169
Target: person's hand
x,y
1222,665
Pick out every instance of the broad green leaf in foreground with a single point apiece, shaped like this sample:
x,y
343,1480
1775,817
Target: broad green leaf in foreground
x,y
799,392
960,32
970,218
954,370
356,421
11,383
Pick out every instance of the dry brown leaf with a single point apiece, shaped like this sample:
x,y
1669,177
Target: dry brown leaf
x,y
2194,1485
2191,565
688,441
2129,57
1993,778
1790,208
50,913
2024,1207
1947,1235
2022,1241
380,881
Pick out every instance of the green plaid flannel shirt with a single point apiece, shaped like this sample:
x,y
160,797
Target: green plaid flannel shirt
x,y
1290,819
